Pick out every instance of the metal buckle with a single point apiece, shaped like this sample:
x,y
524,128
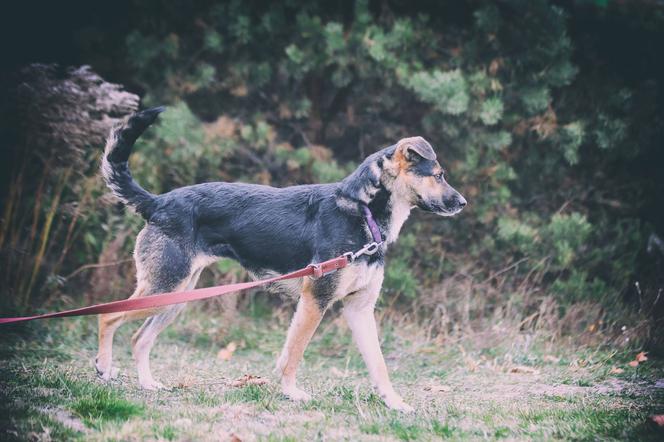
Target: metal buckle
x,y
318,271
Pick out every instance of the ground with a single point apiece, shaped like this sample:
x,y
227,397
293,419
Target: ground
x,y
498,385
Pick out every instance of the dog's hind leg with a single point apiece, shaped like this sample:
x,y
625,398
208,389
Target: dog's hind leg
x,y
146,335
144,339
305,321
108,325
161,266
110,322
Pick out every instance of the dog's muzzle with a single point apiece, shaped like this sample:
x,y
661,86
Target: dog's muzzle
x,y
449,206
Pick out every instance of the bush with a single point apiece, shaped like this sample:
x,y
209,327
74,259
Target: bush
x,y
554,144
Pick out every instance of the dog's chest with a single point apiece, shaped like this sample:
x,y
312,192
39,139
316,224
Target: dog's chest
x,y
400,213
359,277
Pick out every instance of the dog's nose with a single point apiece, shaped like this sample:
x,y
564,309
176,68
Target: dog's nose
x,y
462,201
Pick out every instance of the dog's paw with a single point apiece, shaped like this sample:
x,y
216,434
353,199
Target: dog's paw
x,y
398,404
295,394
106,374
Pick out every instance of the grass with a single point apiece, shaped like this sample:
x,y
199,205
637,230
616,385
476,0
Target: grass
x,y
260,396
104,405
462,390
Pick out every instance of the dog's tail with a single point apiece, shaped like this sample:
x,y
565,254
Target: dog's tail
x,y
115,167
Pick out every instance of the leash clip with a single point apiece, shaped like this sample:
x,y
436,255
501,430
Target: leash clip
x,y
368,249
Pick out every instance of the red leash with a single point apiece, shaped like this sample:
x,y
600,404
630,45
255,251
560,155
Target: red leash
x,y
162,299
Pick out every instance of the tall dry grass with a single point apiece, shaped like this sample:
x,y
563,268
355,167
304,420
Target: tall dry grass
x,y
61,118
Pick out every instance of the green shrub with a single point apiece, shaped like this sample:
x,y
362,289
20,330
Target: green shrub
x,y
539,136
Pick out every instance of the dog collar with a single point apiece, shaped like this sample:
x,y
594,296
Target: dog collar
x,y
372,247
373,226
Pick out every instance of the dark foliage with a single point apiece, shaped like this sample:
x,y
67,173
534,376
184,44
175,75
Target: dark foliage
x,y
548,116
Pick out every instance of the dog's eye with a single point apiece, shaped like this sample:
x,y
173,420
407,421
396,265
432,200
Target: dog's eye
x,y
439,176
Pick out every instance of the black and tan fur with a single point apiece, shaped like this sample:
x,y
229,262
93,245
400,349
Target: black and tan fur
x,y
270,231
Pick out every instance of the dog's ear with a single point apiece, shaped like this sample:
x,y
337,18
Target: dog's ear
x,y
362,185
414,149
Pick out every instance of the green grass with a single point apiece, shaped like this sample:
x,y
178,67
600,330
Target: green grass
x,y
104,405
443,430
259,395
166,432
48,388
207,399
405,431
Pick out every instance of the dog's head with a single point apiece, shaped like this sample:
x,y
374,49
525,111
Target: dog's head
x,y
408,170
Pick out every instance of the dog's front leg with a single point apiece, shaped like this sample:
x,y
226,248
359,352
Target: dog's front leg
x,y
305,321
359,313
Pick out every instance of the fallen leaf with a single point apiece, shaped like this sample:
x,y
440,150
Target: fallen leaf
x,y
523,370
643,356
435,388
658,419
234,438
226,353
248,379
634,363
616,370
186,382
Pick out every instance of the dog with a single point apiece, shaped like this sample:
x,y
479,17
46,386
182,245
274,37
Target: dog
x,y
272,231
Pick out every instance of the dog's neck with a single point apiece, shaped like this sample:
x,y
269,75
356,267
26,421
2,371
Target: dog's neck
x,y
390,212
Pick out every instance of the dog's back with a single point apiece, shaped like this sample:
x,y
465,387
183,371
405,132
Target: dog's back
x,y
264,228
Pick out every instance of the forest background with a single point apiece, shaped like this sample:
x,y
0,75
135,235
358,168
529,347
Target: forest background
x,y
547,115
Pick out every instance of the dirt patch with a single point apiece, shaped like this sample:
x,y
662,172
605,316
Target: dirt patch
x,y
506,388
620,386
248,423
65,418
